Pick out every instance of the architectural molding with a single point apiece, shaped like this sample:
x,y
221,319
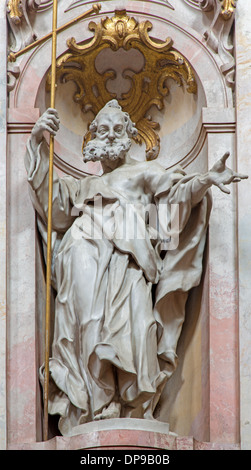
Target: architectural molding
x,y
78,3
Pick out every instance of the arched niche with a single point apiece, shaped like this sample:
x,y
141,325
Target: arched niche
x,y
180,122
184,140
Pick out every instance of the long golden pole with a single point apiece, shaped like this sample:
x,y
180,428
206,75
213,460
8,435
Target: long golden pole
x,y
49,226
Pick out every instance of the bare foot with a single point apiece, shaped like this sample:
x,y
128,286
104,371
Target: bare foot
x,y
111,411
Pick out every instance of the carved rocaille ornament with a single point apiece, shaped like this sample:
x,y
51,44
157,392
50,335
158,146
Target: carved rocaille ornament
x,y
218,35
227,7
148,87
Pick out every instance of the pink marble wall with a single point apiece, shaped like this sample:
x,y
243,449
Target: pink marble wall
x,y
125,439
3,229
223,306
22,379
243,106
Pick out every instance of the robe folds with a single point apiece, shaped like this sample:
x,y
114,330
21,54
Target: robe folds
x,y
120,301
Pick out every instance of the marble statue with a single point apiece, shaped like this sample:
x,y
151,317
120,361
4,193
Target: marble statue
x,y
120,300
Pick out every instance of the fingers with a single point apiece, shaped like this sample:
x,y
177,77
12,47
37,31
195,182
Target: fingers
x,y
241,176
50,130
225,157
53,123
52,111
237,177
49,121
223,188
219,166
236,180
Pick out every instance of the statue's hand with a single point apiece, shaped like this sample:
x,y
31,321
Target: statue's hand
x,y
220,174
49,121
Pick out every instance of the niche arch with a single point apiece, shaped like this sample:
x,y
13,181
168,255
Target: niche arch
x,y
187,144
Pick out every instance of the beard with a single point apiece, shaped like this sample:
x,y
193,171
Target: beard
x,y
96,150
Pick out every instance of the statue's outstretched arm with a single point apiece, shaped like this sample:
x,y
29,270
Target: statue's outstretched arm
x,y
219,175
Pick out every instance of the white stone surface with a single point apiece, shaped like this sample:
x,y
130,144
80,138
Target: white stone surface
x,y
121,423
243,113
3,132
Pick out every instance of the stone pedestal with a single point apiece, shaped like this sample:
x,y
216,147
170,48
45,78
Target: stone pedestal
x,y
123,434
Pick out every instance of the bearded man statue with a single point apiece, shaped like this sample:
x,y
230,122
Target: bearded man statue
x,y
120,300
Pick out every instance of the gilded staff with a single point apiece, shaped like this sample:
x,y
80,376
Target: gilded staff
x,y
13,55
49,226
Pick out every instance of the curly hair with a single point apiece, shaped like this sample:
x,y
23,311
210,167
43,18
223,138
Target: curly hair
x,y
130,126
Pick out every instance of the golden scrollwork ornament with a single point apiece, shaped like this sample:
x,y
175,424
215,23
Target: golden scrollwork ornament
x,y
14,7
148,87
227,9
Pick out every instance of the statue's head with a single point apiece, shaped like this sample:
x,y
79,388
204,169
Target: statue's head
x,y
111,132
